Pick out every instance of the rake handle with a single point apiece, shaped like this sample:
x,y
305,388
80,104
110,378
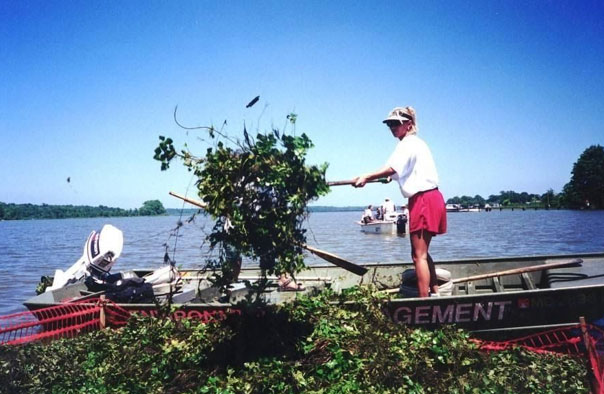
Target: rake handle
x,y
352,181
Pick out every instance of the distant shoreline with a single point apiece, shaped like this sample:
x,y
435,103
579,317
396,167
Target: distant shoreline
x,y
110,212
45,211
178,211
11,211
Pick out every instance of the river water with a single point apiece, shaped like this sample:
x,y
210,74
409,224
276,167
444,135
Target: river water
x,y
32,248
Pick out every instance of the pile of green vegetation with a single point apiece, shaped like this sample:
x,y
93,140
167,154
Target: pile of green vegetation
x,y
45,211
311,345
256,190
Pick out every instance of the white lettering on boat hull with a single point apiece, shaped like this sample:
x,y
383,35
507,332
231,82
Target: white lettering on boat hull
x,y
451,313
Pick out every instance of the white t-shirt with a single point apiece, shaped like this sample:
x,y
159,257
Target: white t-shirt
x,y
414,166
388,206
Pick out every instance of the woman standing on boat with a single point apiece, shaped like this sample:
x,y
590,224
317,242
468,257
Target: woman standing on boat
x,y
412,165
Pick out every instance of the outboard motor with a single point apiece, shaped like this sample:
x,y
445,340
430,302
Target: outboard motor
x,y
100,252
102,255
401,224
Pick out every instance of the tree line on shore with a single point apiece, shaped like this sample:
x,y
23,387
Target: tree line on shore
x,y
45,211
511,199
585,190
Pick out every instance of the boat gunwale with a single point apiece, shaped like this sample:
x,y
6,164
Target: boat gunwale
x,y
375,266
387,300
386,264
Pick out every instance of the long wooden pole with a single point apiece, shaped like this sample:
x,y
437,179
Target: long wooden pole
x,y
199,204
337,260
102,317
330,257
258,277
352,181
532,268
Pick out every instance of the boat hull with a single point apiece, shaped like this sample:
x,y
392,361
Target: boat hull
x,y
379,227
504,311
535,300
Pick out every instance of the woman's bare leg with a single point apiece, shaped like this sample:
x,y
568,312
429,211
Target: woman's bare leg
x,y
433,278
420,241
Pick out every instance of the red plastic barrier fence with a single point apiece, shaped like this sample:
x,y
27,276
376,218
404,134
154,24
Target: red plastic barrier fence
x,y
581,339
62,321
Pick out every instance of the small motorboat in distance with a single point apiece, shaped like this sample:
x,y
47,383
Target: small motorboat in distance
x,y
453,207
388,220
395,224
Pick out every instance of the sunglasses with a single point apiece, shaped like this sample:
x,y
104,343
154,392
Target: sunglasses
x,y
396,123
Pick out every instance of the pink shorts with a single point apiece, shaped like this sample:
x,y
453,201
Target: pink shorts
x,y
428,212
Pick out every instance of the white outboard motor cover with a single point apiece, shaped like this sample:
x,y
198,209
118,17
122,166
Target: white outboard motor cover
x,y
100,252
102,249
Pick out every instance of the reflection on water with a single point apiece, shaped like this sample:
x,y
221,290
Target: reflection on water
x,y
37,247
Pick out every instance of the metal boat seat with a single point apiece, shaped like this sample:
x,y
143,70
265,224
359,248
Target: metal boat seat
x,y
527,281
470,288
497,285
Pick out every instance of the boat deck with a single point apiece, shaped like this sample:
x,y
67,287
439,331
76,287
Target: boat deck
x,y
387,275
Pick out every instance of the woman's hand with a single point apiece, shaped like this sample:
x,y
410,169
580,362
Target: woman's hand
x,y
360,181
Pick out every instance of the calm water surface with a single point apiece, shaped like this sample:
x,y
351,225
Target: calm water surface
x,y
37,247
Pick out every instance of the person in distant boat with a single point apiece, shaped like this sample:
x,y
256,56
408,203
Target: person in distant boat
x,y
379,215
367,215
412,165
388,207
405,211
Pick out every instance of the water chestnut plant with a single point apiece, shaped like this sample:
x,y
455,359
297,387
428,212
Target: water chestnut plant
x,y
257,191
316,344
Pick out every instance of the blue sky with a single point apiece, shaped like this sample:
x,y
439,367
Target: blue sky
x,y
508,94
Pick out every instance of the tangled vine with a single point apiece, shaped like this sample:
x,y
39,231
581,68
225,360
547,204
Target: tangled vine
x,y
256,191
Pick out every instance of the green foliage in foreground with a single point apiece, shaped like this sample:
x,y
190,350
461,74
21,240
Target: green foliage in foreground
x,y
308,346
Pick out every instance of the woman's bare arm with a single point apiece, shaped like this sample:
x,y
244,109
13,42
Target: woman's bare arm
x,y
385,171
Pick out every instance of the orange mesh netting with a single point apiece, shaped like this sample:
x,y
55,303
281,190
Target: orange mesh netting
x,y
581,339
61,321
563,340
